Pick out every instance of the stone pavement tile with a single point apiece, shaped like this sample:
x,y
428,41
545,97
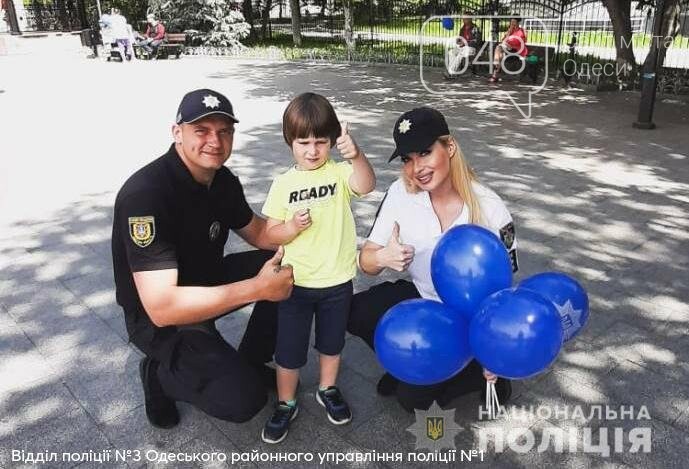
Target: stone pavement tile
x,y
558,398
33,234
359,394
386,430
214,442
583,362
59,261
665,398
57,334
39,300
108,355
662,351
323,437
109,396
523,454
669,446
302,436
33,405
131,430
96,291
12,339
358,356
682,421
72,432
24,370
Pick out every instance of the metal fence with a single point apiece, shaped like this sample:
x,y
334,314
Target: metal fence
x,y
396,29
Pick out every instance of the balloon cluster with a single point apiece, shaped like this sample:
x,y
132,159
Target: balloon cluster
x,y
515,333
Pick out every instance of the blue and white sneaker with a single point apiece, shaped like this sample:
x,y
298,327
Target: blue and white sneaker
x,y
277,426
335,406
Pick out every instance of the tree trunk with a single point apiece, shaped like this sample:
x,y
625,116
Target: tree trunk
x,y
266,18
670,29
620,15
296,22
248,10
349,26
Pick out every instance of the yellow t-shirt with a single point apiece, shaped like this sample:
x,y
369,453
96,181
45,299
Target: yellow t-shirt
x,y
324,254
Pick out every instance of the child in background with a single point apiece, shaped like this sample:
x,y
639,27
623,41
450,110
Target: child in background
x,y
308,210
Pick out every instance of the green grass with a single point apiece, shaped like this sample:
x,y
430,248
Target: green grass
x,y
336,50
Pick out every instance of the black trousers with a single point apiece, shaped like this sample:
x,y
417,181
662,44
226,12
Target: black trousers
x,y
199,367
368,307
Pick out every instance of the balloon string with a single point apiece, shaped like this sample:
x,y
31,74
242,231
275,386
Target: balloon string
x,y
492,401
489,401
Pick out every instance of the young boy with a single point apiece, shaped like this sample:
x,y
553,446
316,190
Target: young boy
x,y
308,210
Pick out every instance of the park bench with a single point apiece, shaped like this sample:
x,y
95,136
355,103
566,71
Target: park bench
x,y
173,44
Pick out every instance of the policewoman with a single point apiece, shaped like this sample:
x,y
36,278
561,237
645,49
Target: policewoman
x,y
171,221
435,191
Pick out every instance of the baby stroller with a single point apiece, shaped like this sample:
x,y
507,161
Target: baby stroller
x,y
117,46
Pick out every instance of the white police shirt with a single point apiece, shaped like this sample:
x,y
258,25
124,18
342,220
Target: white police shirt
x,y
420,227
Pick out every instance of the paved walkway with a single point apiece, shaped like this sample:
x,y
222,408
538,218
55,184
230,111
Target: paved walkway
x,y
591,196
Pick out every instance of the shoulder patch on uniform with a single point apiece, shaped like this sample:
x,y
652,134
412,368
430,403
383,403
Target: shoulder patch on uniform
x,y
507,235
142,230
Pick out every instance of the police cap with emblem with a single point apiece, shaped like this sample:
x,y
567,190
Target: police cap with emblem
x,y
417,130
202,103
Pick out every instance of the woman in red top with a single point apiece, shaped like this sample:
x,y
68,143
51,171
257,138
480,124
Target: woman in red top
x,y
514,41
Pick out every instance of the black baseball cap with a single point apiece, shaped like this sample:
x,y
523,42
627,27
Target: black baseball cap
x,y
417,130
202,103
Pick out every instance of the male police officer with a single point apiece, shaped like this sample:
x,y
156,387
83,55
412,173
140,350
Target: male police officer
x,y
171,222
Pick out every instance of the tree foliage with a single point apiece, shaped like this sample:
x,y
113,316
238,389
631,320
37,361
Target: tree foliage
x,y
217,23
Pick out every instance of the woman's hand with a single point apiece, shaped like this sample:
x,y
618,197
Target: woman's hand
x,y
395,255
490,377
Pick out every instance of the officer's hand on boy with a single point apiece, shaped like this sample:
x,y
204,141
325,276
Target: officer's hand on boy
x,y
346,144
276,281
302,219
395,255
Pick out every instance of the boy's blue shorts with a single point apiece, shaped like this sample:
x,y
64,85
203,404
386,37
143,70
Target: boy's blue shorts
x,y
295,314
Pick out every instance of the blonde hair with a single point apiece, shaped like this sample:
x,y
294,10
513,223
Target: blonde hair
x,y
462,178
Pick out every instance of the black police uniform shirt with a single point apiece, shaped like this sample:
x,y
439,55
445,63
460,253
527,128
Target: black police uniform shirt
x,y
164,219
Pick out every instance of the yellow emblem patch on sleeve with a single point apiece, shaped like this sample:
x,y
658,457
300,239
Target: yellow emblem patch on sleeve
x,y
142,230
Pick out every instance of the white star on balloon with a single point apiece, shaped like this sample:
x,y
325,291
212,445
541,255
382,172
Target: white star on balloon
x,y
211,101
404,126
567,310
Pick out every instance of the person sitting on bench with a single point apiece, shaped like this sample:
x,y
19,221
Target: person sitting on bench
x,y
513,42
154,36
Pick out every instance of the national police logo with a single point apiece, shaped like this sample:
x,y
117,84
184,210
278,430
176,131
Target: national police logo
x,y
434,428
507,235
214,231
142,230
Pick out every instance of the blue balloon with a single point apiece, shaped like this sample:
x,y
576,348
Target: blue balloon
x,y
516,333
468,264
449,23
422,342
568,296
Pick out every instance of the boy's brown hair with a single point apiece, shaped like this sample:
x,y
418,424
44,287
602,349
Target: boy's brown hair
x,y
310,114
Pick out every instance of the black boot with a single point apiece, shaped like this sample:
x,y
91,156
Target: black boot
x,y
161,411
387,385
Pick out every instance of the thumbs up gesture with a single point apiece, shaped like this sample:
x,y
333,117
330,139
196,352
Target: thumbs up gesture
x,y
346,144
396,255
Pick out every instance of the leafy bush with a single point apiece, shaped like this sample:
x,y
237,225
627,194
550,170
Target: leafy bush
x,y
213,23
